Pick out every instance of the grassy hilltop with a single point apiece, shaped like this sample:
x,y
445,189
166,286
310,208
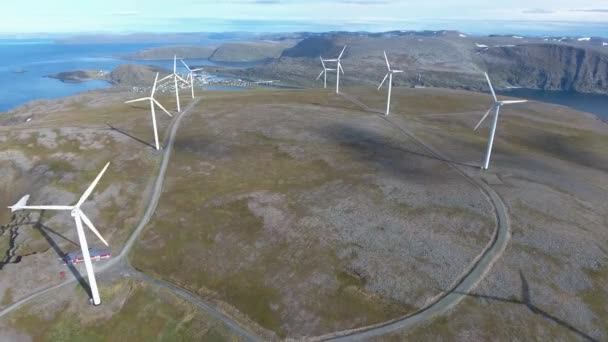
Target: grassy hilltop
x,y
299,213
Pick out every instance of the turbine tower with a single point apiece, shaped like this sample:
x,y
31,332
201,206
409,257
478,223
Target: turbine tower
x,y
175,77
153,102
79,217
190,77
324,72
497,105
389,75
338,68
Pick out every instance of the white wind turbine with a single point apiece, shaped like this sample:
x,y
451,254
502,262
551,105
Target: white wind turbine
x,y
153,102
79,217
324,72
497,104
338,68
175,77
190,77
389,75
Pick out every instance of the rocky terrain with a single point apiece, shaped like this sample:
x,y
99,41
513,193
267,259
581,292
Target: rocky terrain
x,y
135,74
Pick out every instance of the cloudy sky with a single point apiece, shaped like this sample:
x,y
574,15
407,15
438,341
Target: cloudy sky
x,y
475,16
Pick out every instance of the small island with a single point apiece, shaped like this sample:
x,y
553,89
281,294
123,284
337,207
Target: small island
x,y
79,76
122,75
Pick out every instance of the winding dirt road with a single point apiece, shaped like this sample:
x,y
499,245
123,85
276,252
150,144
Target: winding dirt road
x,y
467,281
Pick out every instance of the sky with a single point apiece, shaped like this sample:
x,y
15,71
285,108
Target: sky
x,y
578,17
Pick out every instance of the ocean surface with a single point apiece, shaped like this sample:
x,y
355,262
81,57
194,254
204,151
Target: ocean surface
x,y
25,62
590,103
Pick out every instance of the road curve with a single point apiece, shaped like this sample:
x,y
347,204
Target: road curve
x,y
466,282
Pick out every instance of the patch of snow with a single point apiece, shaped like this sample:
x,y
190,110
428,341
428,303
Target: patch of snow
x,y
604,44
586,39
28,120
481,45
462,35
518,37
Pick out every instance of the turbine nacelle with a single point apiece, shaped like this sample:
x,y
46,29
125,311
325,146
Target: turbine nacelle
x,y
497,104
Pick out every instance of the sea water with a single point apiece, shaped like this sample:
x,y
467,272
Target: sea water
x,y
24,63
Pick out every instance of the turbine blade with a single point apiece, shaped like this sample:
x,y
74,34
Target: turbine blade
x,y
154,86
87,260
161,107
483,118
166,78
383,80
181,79
184,63
92,186
514,101
322,62
197,69
321,74
42,207
340,67
341,53
138,100
20,204
386,59
89,224
491,88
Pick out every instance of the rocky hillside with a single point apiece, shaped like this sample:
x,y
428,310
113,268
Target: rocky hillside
x,y
250,51
134,74
550,67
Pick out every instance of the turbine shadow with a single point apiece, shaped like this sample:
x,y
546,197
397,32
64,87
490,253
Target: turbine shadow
x,y
43,230
375,148
381,114
525,299
405,133
126,133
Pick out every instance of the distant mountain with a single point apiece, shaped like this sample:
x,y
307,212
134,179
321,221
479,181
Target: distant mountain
x,y
259,50
249,51
167,52
446,59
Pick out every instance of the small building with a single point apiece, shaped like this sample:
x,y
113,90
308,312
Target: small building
x,y
96,255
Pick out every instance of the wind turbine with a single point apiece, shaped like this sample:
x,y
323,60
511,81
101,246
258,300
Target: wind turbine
x,y
389,75
497,104
338,68
175,77
79,217
324,72
152,103
190,77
